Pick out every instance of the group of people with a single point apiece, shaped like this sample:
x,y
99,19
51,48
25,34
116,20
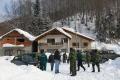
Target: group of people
x,y
54,58
90,57
75,58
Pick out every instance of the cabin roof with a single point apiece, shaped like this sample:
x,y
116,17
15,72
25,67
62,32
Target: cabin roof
x,y
26,34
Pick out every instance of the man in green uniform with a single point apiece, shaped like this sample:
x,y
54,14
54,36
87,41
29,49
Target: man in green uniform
x,y
88,58
95,59
72,57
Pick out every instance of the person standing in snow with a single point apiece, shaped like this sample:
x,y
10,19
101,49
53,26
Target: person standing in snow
x,y
95,59
88,58
72,57
57,59
51,61
80,60
64,57
68,60
43,60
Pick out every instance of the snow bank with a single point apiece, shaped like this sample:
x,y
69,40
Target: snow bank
x,y
9,71
113,63
103,46
109,71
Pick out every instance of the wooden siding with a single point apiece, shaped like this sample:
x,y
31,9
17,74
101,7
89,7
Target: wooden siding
x,y
12,39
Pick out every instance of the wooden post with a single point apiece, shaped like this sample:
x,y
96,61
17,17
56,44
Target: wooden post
x,y
68,45
15,41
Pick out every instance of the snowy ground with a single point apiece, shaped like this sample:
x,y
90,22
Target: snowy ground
x,y
8,71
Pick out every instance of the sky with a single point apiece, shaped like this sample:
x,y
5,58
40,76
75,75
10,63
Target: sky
x,y
2,8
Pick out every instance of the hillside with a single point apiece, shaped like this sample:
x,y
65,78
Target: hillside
x,y
4,28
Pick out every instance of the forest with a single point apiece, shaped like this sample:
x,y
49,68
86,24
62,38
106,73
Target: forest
x,y
37,16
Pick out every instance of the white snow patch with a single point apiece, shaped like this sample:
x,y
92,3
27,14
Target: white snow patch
x,y
11,45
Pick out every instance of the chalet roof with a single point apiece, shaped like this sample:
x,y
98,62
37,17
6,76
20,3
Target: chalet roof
x,y
77,33
65,30
26,34
58,29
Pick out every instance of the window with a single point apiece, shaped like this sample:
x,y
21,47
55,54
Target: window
x,y
75,44
52,41
85,44
64,40
21,40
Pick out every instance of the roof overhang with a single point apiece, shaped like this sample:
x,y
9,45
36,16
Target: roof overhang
x,y
54,29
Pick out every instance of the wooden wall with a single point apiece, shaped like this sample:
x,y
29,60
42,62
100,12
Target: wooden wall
x,y
12,39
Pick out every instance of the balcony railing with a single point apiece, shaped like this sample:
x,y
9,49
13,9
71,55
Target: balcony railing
x,y
57,43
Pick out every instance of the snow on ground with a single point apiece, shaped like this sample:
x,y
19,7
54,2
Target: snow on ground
x,y
8,71
110,71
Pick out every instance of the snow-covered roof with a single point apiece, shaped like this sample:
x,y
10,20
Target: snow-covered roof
x,y
26,34
59,29
62,31
80,34
11,45
69,29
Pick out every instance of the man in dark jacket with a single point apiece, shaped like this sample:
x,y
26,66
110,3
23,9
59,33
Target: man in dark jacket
x,y
72,57
51,61
80,60
95,59
88,58
43,60
57,59
64,57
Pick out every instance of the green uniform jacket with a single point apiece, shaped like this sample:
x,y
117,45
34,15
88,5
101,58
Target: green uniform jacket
x,y
95,58
43,59
88,57
72,57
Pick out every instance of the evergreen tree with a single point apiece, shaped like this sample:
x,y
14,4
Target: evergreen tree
x,y
37,8
41,21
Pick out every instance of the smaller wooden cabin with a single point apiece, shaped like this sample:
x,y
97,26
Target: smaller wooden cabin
x,y
16,41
